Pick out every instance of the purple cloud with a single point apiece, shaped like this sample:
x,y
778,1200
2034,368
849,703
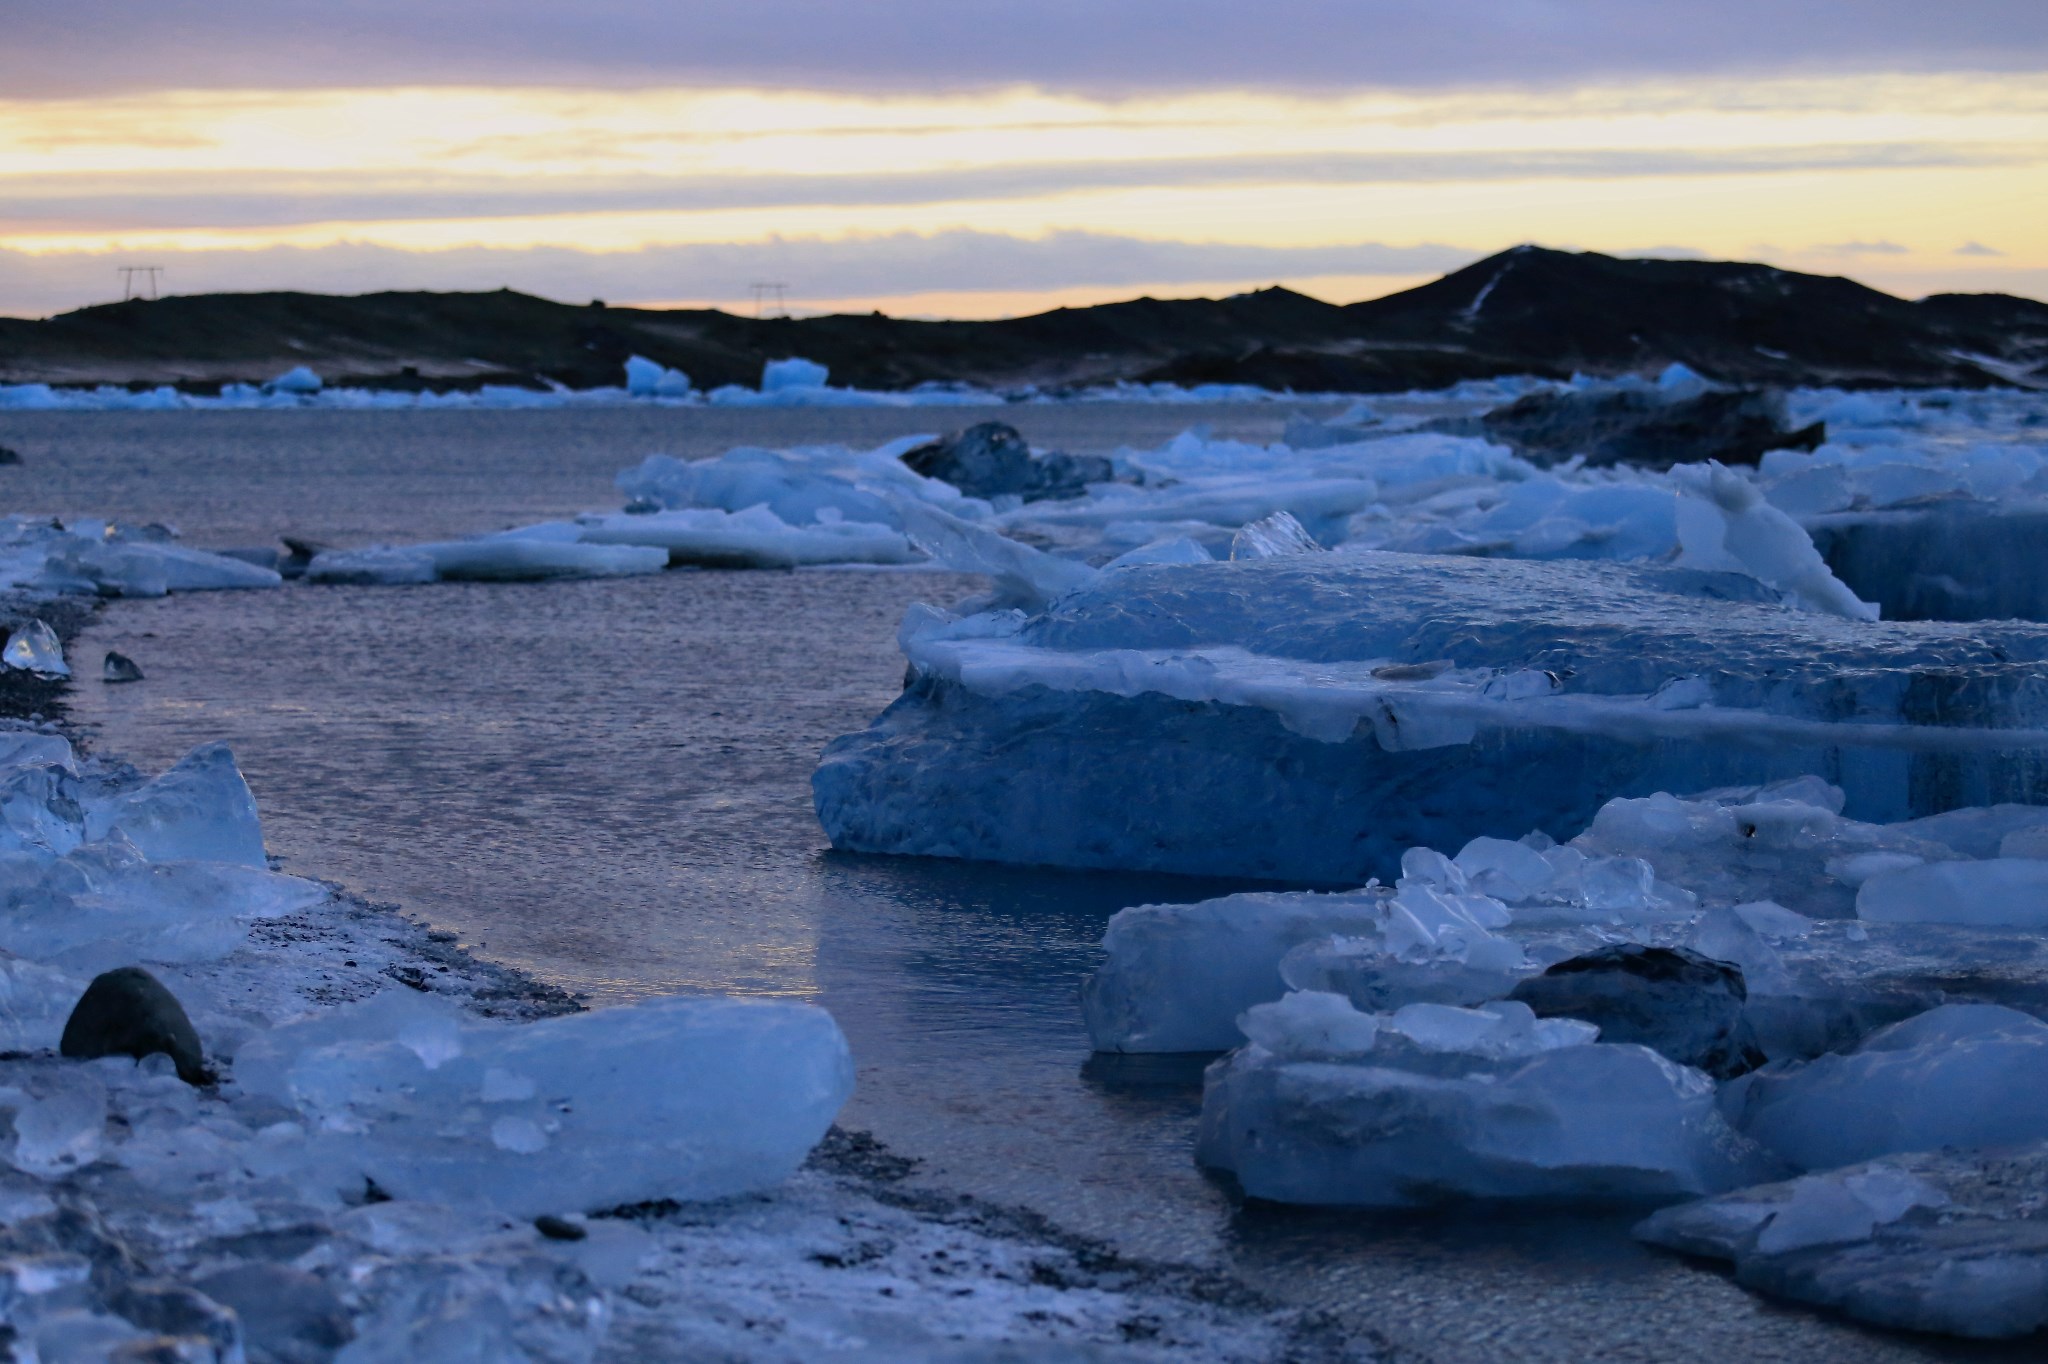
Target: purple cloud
x,y
101,46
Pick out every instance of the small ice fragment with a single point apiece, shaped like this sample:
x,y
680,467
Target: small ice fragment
x,y
297,379
436,1041
501,1086
1683,693
2004,892
61,1130
521,1136
778,376
1271,537
1522,685
120,668
2031,843
1772,920
34,648
201,810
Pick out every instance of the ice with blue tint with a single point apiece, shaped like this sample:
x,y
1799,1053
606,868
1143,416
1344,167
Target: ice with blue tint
x,y
647,379
803,486
1769,879
1327,1105
684,1098
33,647
537,553
1312,717
1943,1241
90,557
754,537
1964,1075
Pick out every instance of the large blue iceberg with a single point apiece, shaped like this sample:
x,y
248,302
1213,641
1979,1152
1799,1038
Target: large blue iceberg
x,y
1311,717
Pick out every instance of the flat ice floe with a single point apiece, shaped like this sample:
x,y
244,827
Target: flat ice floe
x,y
1947,1241
1311,717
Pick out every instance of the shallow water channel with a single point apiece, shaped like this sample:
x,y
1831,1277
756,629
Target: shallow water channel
x,y
607,783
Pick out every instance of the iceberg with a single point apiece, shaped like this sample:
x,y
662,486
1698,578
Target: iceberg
x,y
1311,717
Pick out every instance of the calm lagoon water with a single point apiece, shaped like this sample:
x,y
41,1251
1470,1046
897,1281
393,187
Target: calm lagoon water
x,y
607,783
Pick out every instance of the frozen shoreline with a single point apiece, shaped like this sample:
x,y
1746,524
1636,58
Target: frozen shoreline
x,y
837,1262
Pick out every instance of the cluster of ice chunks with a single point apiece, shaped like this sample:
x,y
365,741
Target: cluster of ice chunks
x,y
1376,1063
93,876
89,557
1329,1105
1771,879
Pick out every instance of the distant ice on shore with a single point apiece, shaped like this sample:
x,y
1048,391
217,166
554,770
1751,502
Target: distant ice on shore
x,y
793,382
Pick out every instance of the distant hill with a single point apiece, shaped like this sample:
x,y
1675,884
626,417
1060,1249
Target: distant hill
x,y
1525,311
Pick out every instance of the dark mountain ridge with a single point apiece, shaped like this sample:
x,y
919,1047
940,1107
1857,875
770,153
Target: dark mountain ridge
x,y
1525,311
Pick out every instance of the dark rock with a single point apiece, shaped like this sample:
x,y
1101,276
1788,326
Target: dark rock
x,y
9,455
992,459
288,1316
128,1012
299,554
1675,1002
1647,429
120,668
558,1228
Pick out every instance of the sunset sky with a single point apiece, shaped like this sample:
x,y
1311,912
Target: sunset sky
x,y
973,159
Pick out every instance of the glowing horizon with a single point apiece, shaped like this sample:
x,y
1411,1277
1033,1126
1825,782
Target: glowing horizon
x,y
681,196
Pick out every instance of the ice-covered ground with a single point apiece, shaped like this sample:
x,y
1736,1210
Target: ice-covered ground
x,y
386,1119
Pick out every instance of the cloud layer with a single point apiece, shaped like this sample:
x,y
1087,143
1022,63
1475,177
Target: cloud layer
x,y
102,46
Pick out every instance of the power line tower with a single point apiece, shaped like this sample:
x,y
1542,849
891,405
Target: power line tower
x,y
771,298
148,274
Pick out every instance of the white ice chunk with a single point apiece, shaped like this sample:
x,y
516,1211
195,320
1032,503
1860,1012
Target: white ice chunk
x,y
33,647
201,810
1958,1075
1724,522
1272,536
61,1127
794,373
1459,1103
2004,891
753,538
683,1098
